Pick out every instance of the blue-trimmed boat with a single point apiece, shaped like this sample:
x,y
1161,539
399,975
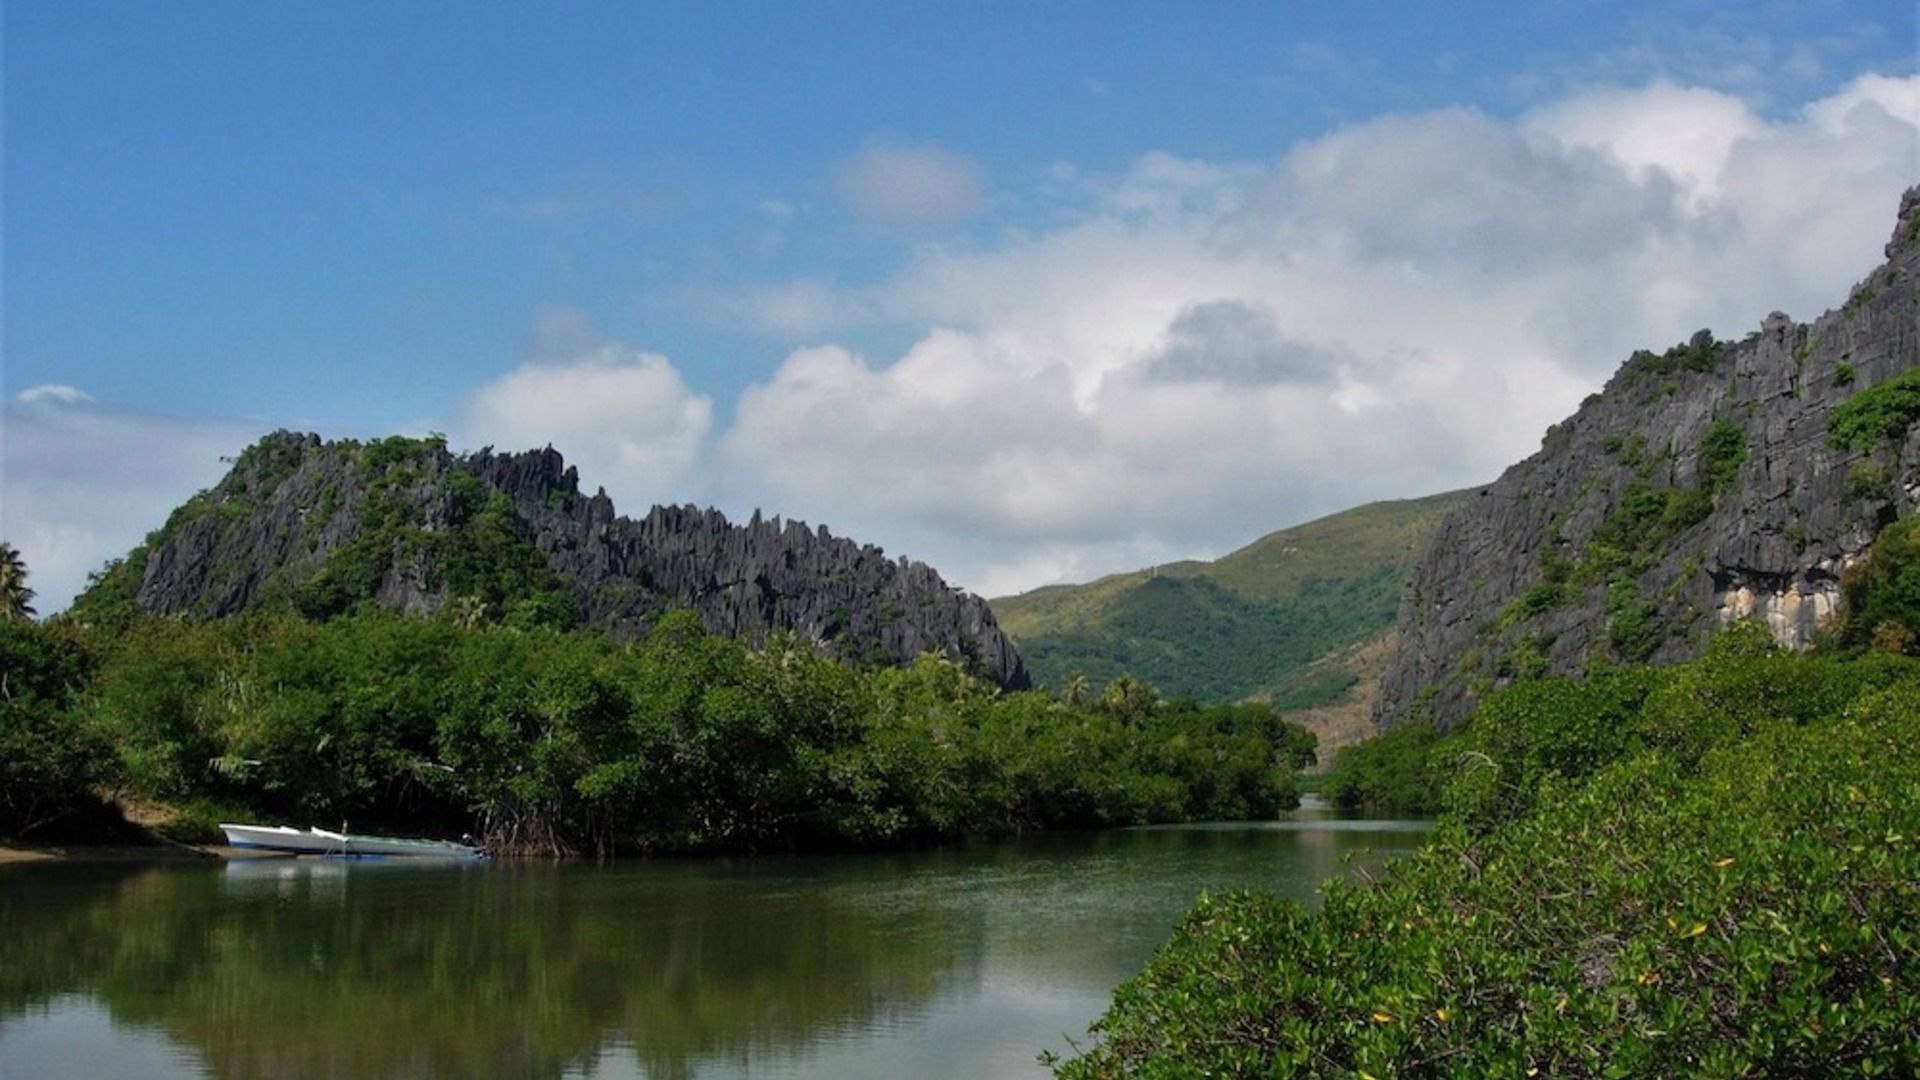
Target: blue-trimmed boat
x,y
285,840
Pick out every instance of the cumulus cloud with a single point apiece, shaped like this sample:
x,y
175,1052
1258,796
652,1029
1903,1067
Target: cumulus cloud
x,y
1235,342
1211,351
1682,133
908,184
55,392
1198,353
81,484
625,418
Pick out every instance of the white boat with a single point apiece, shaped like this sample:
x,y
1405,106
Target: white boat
x,y
290,841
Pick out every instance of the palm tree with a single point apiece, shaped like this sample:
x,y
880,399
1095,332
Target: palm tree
x,y
1129,700
1073,692
16,600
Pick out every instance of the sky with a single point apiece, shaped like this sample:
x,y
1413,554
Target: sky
x,y
1029,292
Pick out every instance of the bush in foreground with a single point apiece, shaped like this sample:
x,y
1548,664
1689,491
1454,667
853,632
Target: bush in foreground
x,y
1754,912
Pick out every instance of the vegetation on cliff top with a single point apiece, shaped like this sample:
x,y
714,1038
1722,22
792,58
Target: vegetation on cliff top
x,y
474,552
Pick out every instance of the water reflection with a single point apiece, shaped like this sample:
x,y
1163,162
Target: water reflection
x,y
953,963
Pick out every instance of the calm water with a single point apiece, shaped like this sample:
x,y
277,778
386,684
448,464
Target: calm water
x,y
952,964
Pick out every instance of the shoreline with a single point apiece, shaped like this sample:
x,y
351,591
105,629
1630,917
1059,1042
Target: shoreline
x,y
10,855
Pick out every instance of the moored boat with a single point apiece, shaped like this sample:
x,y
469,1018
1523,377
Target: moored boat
x,y
287,840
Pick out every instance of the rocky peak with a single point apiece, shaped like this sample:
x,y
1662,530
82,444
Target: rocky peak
x,y
1700,486
321,526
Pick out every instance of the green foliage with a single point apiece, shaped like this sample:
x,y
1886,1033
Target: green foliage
x,y
1723,449
1541,598
1877,415
1633,627
1744,686
16,598
269,462
1745,908
485,558
48,763
350,577
1635,535
1541,732
1255,623
473,554
1403,770
1212,643
1869,481
382,454
1699,354
109,604
478,557
146,703
1881,594
552,742
1630,451
1644,520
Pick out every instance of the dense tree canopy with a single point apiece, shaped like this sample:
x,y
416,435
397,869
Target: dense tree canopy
x,y
539,740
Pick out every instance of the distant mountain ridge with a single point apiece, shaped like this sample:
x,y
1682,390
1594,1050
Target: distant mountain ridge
x,y
1711,482
1269,621
322,527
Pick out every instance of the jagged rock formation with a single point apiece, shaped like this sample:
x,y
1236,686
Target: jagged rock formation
x,y
1699,487
323,525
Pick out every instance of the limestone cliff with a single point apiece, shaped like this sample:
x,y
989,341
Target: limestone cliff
x,y
1701,485
323,526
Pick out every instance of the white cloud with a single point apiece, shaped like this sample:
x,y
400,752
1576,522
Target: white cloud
x,y
625,419
906,184
81,484
1203,352
54,392
1683,133
1212,351
1237,342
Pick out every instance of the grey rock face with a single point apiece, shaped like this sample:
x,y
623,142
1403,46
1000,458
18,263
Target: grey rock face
x,y
1617,542
292,501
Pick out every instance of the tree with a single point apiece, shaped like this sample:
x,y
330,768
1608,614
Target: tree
x,y
1880,595
48,761
16,599
1073,692
1129,700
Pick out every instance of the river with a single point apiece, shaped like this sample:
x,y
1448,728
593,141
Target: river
x,y
959,963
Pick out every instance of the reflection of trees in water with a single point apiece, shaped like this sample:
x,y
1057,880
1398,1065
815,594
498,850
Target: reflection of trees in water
x,y
503,970
320,969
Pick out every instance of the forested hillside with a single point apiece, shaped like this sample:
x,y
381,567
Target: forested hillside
x,y
1268,621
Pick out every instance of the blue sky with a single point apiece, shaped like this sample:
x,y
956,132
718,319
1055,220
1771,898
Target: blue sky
x,y
1031,292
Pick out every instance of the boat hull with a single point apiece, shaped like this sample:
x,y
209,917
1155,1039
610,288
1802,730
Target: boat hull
x,y
286,840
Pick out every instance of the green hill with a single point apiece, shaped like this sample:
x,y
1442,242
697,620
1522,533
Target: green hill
x,y
1253,624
